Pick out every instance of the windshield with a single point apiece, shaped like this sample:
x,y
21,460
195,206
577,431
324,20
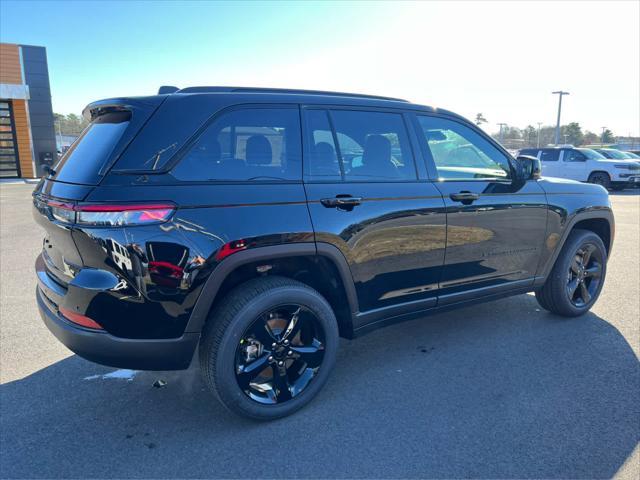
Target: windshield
x,y
617,154
89,153
631,155
591,154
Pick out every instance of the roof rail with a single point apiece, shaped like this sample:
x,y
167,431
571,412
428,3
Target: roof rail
x,y
283,90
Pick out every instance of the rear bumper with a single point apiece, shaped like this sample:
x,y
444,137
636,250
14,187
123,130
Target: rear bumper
x,y
101,347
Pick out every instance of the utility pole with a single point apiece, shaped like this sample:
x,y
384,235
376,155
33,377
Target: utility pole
x,y
560,93
602,137
501,135
539,125
59,134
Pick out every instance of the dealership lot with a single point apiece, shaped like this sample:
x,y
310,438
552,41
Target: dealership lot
x,y
500,389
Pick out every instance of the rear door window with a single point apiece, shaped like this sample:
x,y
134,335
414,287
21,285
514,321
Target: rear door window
x,y
89,153
352,145
322,159
374,146
573,156
550,155
248,144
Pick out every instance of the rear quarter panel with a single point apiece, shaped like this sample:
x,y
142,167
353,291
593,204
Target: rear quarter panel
x,y
168,264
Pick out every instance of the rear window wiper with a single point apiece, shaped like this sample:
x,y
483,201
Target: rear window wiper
x,y
156,156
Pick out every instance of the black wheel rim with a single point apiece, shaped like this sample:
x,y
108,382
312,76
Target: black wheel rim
x,y
280,354
585,275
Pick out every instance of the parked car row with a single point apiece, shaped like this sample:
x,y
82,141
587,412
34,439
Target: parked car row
x,y
617,154
613,169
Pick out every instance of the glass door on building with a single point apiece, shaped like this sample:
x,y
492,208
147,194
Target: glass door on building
x,y
9,165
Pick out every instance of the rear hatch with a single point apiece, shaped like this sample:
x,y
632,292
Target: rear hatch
x,y
114,124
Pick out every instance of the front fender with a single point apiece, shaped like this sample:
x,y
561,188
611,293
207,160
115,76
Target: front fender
x,y
560,226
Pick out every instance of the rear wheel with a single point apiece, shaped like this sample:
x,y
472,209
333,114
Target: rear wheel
x,y
269,347
600,178
575,281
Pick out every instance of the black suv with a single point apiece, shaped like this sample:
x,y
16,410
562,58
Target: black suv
x,y
260,225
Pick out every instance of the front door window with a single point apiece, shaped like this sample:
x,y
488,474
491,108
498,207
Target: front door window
x,y
459,153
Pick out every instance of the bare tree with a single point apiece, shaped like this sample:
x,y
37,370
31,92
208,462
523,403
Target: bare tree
x,y
480,119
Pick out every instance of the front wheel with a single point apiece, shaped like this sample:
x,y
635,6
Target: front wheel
x,y
575,281
600,178
269,347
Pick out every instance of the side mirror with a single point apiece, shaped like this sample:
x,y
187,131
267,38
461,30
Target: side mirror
x,y
530,167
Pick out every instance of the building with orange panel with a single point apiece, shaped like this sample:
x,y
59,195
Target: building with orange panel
x,y
27,137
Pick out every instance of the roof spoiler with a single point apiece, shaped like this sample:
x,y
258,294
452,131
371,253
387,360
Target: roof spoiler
x,y
167,89
95,109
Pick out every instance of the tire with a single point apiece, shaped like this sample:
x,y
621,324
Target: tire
x,y
567,273
600,178
246,309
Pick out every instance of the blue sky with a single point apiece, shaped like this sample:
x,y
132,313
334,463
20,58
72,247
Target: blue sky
x,y
502,59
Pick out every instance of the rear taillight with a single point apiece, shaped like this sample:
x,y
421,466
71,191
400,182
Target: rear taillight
x,y
120,215
62,212
111,215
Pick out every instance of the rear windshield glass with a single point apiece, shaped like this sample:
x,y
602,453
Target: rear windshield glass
x,y
89,153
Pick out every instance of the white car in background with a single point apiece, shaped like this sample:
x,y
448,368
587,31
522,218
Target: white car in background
x,y
586,165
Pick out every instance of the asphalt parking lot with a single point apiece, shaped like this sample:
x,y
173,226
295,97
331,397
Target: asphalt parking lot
x,y
503,389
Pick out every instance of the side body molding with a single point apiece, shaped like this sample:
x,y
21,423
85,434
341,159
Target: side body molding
x,y
229,264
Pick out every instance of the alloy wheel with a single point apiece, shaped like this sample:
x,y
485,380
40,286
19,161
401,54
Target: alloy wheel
x,y
280,354
584,275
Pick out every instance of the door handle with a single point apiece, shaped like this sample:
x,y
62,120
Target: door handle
x,y
344,202
465,197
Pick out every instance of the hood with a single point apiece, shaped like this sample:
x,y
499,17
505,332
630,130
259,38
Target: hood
x,y
622,160
564,185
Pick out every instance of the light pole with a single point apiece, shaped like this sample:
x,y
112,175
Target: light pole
x,y
539,124
501,135
602,137
560,93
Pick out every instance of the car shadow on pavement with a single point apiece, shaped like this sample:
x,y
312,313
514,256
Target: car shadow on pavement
x,y
501,389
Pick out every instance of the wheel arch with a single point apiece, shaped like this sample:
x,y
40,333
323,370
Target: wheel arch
x,y
321,266
598,220
594,172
